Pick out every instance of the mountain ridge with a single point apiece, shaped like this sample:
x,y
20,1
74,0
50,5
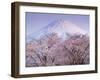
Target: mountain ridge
x,y
61,27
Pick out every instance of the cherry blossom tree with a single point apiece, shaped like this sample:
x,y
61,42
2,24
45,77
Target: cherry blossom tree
x,y
52,50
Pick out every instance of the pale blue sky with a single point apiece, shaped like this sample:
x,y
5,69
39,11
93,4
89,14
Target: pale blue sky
x,y
36,21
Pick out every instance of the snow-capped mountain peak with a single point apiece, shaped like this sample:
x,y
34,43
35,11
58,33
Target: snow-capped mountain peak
x,y
64,26
61,27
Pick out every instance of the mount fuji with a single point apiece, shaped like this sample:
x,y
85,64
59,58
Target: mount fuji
x,y
61,27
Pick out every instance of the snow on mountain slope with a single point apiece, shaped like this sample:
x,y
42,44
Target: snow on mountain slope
x,y
61,27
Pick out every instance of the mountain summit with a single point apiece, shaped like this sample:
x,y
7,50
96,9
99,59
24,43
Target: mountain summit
x,y
61,27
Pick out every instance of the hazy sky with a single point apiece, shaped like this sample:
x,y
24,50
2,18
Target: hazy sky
x,y
36,21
